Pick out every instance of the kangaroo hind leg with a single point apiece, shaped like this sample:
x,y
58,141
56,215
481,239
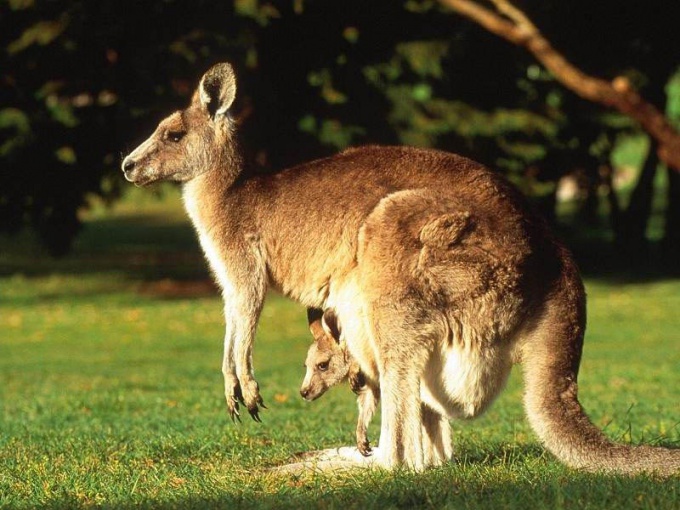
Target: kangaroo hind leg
x,y
404,339
437,440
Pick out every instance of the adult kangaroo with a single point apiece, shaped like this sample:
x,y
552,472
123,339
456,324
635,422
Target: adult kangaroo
x,y
439,273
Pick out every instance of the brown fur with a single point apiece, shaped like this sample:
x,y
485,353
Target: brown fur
x,y
436,321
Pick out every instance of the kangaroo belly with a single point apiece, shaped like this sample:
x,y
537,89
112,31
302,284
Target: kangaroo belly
x,y
461,382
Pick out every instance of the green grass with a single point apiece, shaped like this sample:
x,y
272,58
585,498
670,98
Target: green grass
x,y
111,393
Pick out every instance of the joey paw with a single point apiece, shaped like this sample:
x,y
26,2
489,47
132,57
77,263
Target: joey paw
x,y
364,448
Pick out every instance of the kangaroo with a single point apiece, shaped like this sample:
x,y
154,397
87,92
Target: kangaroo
x,y
439,329
329,363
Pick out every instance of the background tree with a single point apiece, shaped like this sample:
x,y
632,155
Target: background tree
x,y
512,24
83,81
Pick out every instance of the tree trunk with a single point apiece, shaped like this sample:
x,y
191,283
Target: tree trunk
x,y
671,240
589,212
631,237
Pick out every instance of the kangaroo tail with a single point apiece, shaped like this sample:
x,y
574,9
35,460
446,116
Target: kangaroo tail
x,y
551,357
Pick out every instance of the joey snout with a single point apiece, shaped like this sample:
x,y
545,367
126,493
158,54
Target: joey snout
x,y
312,388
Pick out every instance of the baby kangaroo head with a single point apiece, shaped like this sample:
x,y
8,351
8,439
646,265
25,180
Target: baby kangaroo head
x,y
191,141
327,361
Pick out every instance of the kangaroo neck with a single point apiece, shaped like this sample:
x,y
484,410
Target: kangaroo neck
x,y
207,196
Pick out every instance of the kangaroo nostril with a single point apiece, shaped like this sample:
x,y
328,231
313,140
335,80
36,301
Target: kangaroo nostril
x,y
128,164
304,393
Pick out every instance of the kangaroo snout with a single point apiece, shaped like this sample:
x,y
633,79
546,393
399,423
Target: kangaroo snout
x,y
128,166
137,171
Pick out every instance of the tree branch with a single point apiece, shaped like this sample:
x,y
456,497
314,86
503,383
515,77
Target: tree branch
x,y
513,25
515,15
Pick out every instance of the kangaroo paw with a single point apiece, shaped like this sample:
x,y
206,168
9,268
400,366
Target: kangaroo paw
x,y
364,448
251,398
234,397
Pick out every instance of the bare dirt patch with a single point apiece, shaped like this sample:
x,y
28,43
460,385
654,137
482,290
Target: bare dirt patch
x,y
169,288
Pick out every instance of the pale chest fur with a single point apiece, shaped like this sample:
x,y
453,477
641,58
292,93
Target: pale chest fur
x,y
211,245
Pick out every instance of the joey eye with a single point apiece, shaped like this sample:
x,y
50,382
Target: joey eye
x,y
175,136
323,366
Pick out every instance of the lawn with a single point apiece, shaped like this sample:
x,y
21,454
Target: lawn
x,y
111,393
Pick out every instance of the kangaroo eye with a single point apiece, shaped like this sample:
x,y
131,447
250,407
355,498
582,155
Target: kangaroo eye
x,y
323,366
175,136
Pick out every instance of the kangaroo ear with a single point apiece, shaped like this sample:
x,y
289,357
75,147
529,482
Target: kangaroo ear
x,y
314,319
217,89
330,324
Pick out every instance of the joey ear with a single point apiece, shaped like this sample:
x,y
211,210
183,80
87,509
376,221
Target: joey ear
x,y
330,324
217,89
314,319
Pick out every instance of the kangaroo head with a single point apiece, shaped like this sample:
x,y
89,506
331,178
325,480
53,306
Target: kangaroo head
x,y
327,360
192,141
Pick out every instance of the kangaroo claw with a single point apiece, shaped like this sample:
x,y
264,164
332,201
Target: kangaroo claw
x,y
254,413
238,395
233,411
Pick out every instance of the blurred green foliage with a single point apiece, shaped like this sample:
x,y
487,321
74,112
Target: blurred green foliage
x,y
83,82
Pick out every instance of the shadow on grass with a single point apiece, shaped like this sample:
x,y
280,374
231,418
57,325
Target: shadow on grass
x,y
499,476
142,248
439,488
601,260
415,492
